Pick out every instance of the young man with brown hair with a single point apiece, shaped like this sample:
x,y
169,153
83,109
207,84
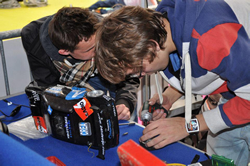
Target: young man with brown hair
x,y
200,47
60,50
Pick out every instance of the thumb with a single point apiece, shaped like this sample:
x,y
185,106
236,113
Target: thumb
x,y
154,99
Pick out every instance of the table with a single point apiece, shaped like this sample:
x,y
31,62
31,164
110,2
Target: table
x,y
21,152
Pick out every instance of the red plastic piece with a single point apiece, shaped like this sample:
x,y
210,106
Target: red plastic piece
x,y
55,160
132,154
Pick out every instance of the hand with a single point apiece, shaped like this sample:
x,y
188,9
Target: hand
x,y
159,113
170,95
122,112
167,130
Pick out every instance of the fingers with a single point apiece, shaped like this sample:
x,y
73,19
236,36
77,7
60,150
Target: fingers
x,y
123,112
156,139
154,99
159,142
151,101
159,114
164,131
149,132
124,116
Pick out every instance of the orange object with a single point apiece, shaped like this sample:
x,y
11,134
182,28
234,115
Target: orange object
x,y
132,154
83,109
55,160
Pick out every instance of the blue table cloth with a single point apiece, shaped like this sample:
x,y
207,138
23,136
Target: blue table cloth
x,y
74,155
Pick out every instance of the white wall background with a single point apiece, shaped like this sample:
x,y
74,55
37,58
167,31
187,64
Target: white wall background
x,y
17,67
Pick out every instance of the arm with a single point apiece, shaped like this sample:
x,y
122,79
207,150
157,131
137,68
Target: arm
x,y
42,68
234,42
126,98
172,95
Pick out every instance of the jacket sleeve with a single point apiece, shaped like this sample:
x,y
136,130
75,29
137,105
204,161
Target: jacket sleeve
x,y
225,50
41,66
127,93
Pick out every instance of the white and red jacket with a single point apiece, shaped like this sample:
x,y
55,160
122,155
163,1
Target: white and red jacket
x,y
216,35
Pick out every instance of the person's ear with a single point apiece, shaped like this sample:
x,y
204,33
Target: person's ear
x,y
157,45
157,49
63,52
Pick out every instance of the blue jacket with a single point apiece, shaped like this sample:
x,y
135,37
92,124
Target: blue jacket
x,y
215,33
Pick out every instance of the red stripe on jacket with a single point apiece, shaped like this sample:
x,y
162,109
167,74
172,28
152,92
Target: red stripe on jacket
x,y
217,41
237,113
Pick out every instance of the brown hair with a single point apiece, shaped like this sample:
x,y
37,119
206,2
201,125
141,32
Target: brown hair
x,y
70,25
124,38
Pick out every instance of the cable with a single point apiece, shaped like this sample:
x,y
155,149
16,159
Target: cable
x,y
14,112
91,151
